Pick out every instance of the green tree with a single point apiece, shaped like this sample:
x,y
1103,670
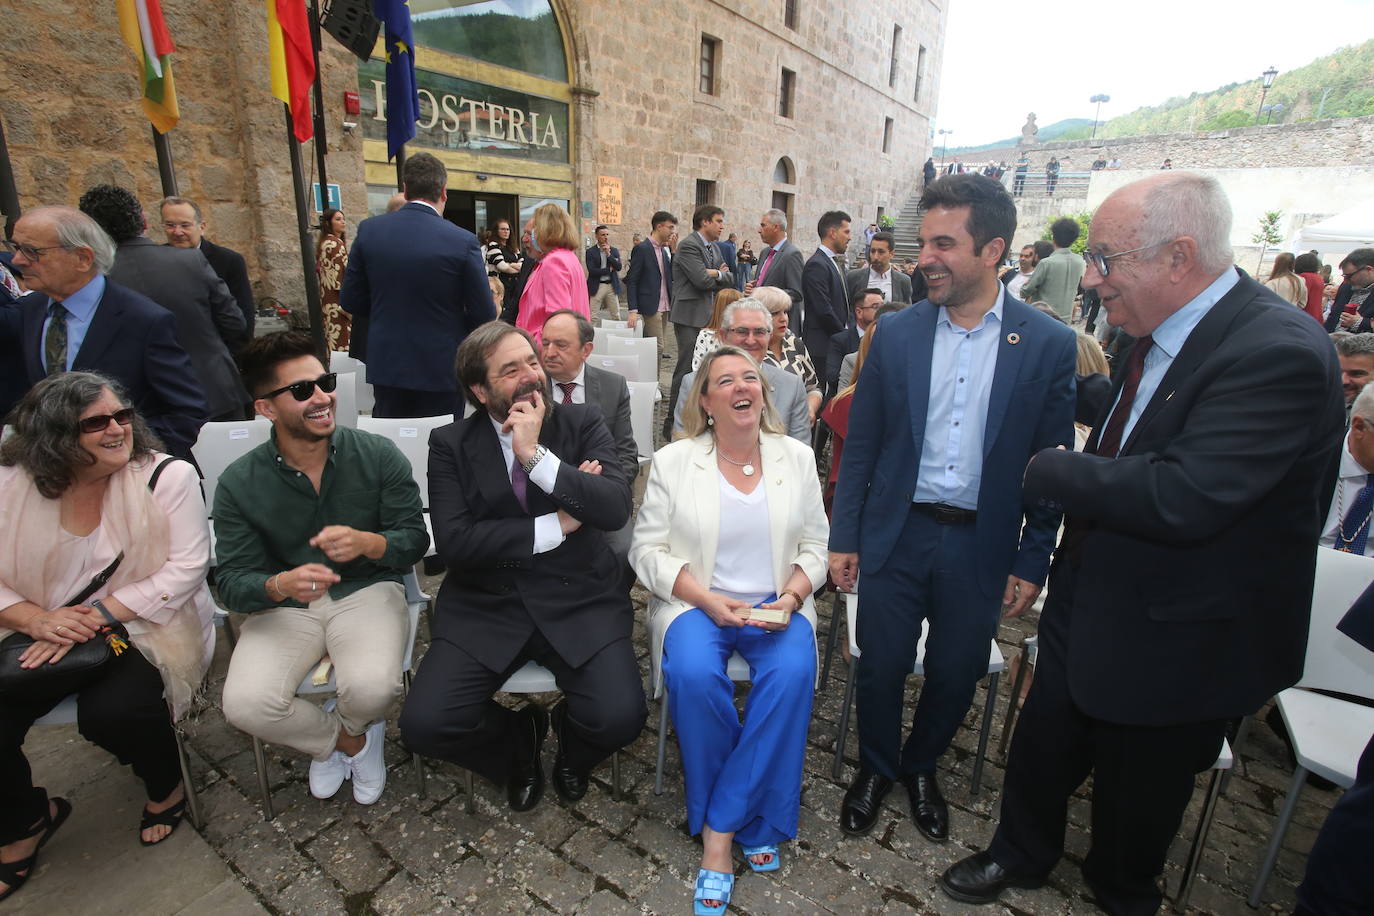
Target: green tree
x,y
1083,218
1268,234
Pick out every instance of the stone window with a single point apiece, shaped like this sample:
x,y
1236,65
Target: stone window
x,y
710,59
887,135
920,72
896,46
783,201
519,34
706,192
784,172
785,91
789,13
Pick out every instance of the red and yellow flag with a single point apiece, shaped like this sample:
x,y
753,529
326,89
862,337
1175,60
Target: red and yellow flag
x,y
291,61
145,32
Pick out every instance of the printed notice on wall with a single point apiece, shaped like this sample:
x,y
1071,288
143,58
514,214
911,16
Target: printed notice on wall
x,y
608,200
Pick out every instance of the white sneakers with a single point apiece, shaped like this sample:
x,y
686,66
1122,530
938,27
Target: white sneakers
x,y
367,769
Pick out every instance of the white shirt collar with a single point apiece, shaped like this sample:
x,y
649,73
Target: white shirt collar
x,y
427,204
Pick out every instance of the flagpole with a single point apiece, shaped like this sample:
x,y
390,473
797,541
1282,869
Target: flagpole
x,y
9,194
401,168
303,221
321,143
164,163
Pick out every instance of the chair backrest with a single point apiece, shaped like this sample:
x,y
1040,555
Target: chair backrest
x,y
642,415
1335,661
220,445
630,333
346,400
599,338
341,362
626,365
646,348
608,324
411,436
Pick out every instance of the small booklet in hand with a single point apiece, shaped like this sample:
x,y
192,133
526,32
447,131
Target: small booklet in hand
x,y
759,614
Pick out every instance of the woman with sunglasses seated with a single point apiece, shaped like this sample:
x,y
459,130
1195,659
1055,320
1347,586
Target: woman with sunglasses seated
x,y
315,529
731,541
84,484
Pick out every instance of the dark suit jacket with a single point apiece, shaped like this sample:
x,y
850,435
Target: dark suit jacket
x,y
230,267
498,590
510,303
132,339
420,284
857,279
608,393
841,345
1030,408
694,291
1184,581
208,319
595,272
730,252
644,278
827,306
785,273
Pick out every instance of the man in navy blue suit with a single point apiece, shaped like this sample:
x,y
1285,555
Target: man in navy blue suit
x,y
957,393
650,278
824,296
603,274
80,320
419,284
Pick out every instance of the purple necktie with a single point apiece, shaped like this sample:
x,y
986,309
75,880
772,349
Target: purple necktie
x,y
520,482
763,271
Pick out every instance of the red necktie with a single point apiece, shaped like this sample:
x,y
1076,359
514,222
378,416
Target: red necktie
x,y
568,389
763,271
1110,443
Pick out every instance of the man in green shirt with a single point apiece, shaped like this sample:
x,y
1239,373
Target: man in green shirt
x,y
315,529
1056,278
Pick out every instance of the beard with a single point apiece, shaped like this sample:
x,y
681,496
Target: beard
x,y
499,407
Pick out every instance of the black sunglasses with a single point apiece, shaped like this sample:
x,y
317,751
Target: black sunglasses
x,y
302,391
123,417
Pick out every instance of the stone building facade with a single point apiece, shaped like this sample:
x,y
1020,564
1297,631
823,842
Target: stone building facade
x,y
677,103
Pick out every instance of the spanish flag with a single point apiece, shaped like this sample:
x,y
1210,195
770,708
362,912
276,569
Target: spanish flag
x,y
145,32
292,61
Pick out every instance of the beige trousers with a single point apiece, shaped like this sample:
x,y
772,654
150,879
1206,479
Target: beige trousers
x,y
605,298
364,634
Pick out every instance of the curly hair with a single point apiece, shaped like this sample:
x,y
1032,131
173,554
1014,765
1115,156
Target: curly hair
x,y
115,209
46,438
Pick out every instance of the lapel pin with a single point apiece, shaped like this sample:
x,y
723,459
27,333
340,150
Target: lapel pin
x,y
1170,395
1013,338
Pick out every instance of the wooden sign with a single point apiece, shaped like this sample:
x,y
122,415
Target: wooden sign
x,y
608,200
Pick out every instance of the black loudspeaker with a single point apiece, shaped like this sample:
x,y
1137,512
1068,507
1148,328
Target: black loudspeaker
x,y
352,24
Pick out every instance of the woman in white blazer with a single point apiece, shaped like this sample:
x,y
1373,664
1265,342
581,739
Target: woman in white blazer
x,y
731,541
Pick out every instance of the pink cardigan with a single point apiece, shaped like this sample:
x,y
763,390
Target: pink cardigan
x,y
558,282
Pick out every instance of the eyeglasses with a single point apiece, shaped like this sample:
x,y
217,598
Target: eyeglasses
x,y
1351,275
29,252
302,391
751,332
97,424
184,227
1099,261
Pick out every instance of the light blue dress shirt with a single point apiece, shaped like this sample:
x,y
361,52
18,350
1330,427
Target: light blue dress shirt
x,y
962,364
80,306
1169,339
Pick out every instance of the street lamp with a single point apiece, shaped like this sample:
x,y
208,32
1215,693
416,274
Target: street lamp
x,y
944,142
1266,81
1098,99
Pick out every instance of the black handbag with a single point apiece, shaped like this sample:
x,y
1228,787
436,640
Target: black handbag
x,y
83,659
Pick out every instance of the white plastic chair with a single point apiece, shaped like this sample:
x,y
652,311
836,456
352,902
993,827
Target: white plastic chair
x,y
609,323
342,362
736,669
535,678
415,600
642,417
627,366
646,348
1328,734
996,665
346,400
220,445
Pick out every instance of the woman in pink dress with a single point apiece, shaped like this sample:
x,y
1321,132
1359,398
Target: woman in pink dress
x,y
559,280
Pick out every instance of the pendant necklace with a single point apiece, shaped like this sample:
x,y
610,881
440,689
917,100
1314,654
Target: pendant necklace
x,y
746,466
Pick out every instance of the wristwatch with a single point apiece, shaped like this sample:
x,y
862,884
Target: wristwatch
x,y
538,456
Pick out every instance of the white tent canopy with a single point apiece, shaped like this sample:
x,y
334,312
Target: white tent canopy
x,y
1339,234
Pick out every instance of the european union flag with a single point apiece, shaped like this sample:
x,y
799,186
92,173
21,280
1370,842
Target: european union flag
x,y
402,102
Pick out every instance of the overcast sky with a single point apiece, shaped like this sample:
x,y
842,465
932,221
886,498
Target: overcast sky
x,y
1002,61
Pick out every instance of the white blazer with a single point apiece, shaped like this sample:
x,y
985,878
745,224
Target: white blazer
x,y
679,523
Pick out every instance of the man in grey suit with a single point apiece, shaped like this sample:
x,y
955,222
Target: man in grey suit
x,y
699,272
780,264
567,343
747,324
208,319
879,274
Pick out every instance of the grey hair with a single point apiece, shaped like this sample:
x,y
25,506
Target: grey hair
x,y
1186,203
777,218
46,442
747,304
1355,345
1364,402
773,299
175,201
77,230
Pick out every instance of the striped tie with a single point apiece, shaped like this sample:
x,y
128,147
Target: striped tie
x,y
55,341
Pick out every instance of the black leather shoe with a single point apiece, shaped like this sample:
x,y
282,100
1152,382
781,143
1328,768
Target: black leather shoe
x,y
526,784
569,784
978,879
862,802
929,812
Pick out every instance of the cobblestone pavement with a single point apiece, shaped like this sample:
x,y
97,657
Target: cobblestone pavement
x,y
602,856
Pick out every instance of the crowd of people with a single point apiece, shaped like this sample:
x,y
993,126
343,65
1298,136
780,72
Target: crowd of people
x,y
964,417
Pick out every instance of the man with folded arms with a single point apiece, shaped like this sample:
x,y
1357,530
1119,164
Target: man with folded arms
x,y
316,528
